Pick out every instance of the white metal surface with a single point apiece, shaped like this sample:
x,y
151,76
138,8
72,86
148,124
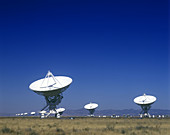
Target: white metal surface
x,y
25,113
50,84
51,87
145,99
59,110
43,112
53,112
91,106
32,113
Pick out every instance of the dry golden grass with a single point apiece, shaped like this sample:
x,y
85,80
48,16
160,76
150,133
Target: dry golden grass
x,y
84,126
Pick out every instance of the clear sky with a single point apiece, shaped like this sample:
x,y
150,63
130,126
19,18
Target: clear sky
x,y
113,51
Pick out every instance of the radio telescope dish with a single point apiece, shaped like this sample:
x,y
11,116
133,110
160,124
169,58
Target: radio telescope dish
x,y
145,102
91,108
51,87
60,112
25,113
32,113
43,112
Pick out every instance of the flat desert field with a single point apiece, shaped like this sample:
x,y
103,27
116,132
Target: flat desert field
x,y
83,126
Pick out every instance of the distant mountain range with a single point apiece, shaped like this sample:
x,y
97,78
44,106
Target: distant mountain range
x,y
108,112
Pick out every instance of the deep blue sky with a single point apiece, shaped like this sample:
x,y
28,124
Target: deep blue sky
x,y
113,51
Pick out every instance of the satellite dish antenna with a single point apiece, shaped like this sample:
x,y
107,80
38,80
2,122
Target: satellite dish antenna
x,y
32,113
43,112
51,87
145,102
91,108
25,113
60,112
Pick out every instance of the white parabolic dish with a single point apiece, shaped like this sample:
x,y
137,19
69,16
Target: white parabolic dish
x,y
51,85
145,100
91,106
60,110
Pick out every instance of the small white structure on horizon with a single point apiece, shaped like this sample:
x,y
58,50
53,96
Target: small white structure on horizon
x,y
25,113
32,113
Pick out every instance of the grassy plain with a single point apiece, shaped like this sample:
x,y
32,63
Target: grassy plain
x,y
83,126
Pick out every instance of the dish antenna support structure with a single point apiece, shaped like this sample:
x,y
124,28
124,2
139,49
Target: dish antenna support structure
x,y
91,108
145,102
51,87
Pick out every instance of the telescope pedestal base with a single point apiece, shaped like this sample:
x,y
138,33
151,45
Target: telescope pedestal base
x,y
144,112
50,108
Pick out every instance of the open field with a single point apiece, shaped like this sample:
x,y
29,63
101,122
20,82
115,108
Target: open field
x,y
84,126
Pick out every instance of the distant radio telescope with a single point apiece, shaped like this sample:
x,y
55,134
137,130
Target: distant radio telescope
x,y
25,113
91,108
32,113
145,102
51,87
60,112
